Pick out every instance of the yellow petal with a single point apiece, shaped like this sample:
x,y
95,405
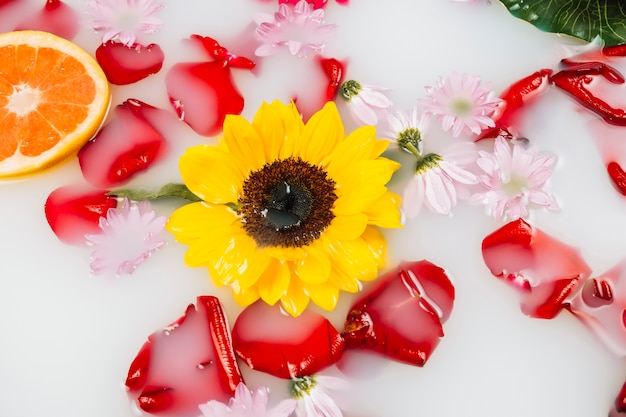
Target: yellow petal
x,y
274,282
324,295
344,282
346,227
246,297
358,145
377,245
355,259
386,212
240,262
235,255
280,126
321,134
296,299
314,266
244,142
196,220
211,174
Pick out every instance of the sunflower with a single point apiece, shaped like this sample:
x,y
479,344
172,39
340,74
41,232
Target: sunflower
x,y
289,209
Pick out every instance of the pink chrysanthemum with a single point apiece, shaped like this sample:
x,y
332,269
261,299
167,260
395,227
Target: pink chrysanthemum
x,y
461,103
364,100
514,179
247,403
300,29
123,20
130,234
436,180
314,395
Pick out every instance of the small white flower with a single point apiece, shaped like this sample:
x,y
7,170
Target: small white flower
x,y
247,403
130,234
124,20
313,394
364,100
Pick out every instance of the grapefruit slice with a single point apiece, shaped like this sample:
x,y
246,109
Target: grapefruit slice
x,y
53,99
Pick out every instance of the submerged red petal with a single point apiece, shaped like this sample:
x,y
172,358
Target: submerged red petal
x,y
203,93
402,316
544,270
127,145
73,211
187,363
56,17
123,65
268,340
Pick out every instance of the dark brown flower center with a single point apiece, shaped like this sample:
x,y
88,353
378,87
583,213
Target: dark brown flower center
x,y
287,203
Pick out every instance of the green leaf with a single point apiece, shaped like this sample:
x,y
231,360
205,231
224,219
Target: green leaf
x,y
168,190
584,19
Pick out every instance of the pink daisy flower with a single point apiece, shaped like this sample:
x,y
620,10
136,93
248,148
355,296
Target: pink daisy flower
x,y
364,100
314,395
514,178
461,103
130,234
123,20
300,29
247,403
437,179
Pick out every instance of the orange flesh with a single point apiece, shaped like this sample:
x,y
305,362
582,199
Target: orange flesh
x,y
44,95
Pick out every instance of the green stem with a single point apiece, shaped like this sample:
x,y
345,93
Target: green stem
x,y
168,190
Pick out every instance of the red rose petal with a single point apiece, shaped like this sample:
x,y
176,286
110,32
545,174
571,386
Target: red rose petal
x,y
127,145
544,270
74,211
123,65
271,341
187,363
402,316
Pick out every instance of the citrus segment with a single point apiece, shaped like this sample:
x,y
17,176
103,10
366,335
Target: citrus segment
x,y
53,99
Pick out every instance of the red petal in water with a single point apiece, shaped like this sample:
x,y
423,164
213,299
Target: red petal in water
x,y
334,71
56,17
402,317
204,93
514,99
601,305
73,211
127,145
123,65
619,407
544,270
271,341
187,363
618,176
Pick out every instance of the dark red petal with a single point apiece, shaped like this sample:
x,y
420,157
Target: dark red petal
x,y
127,145
620,401
402,316
335,72
187,363
284,346
544,270
126,65
514,99
156,399
139,368
618,176
73,211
